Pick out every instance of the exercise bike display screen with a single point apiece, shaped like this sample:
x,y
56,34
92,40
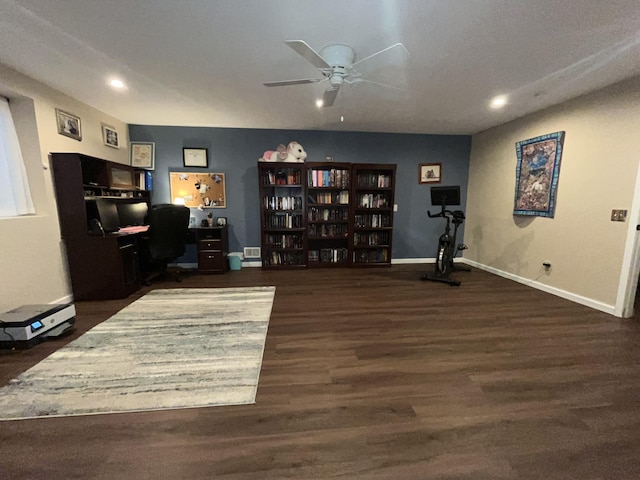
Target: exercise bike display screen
x,y
445,195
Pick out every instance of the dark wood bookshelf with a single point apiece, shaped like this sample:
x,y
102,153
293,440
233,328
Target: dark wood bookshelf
x,y
373,192
328,226
282,215
326,214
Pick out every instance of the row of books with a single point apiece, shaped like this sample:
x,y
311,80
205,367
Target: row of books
x,y
331,230
275,220
379,255
281,177
329,255
145,180
372,200
329,198
283,241
328,178
374,180
315,214
282,203
282,258
372,220
371,238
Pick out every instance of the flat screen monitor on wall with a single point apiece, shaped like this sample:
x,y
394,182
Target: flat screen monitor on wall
x,y
445,196
133,214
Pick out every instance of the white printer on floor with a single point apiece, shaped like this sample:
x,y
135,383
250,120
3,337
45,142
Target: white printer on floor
x,y
25,326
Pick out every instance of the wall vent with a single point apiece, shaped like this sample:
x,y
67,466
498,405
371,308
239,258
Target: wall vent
x,y
252,252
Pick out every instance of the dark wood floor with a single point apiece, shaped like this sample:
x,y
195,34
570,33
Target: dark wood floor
x,y
372,374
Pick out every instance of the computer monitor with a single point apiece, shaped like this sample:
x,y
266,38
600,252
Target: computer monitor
x,y
445,196
133,214
108,214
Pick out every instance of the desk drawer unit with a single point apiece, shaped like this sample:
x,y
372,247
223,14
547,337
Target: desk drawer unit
x,y
212,250
210,259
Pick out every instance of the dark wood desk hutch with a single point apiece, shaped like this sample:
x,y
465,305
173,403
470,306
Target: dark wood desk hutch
x,y
101,266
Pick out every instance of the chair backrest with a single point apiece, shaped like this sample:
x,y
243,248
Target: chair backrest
x,y
168,229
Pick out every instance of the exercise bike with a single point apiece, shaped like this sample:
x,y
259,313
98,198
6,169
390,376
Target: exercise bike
x,y
447,247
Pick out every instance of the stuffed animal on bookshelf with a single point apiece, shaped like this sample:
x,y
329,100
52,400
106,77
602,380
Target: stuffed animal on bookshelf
x,y
291,153
295,153
279,155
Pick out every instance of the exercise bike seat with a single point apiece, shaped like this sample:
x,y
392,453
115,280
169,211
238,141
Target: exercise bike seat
x,y
458,217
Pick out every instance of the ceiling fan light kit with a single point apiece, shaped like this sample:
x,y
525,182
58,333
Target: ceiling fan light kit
x,y
336,63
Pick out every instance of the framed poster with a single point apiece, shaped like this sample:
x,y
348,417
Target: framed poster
x,y
199,189
430,173
537,172
143,155
195,157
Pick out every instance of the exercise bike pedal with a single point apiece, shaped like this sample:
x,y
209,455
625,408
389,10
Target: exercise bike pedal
x,y
462,246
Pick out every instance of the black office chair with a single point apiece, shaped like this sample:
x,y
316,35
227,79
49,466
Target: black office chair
x,y
165,240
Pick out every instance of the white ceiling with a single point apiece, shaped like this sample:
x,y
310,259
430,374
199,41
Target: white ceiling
x,y
203,62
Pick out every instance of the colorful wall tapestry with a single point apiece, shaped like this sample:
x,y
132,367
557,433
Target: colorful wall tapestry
x,y
537,174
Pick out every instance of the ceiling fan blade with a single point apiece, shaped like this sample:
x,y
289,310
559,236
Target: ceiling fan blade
x,y
284,83
364,80
395,45
302,48
329,96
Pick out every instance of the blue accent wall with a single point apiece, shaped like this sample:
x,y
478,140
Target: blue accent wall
x,y
235,153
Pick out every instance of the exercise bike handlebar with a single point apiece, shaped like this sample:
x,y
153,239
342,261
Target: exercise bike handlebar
x,y
444,212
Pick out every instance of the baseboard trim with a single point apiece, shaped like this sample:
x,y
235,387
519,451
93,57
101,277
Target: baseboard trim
x,y
588,302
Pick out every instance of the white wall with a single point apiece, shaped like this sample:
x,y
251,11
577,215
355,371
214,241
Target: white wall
x,y
32,261
598,173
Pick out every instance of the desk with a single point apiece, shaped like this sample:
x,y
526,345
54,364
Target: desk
x,y
213,248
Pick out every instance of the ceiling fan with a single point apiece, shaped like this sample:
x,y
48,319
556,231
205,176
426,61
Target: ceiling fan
x,y
337,65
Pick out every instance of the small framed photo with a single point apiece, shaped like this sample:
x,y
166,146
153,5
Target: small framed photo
x,y
68,125
143,155
221,221
430,173
195,157
110,136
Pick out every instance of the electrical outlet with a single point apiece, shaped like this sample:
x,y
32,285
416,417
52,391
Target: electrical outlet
x,y
618,215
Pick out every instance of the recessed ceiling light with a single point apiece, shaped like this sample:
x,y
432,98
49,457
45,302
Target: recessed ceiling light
x,y
116,83
498,102
319,103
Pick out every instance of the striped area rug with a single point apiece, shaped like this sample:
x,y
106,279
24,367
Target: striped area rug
x,y
177,348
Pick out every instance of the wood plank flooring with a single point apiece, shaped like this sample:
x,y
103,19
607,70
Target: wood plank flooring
x,y
373,374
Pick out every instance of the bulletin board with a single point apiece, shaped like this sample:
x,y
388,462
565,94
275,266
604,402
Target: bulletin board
x,y
202,189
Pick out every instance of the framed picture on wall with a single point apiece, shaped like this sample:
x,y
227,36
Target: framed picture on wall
x,y
143,155
430,173
110,136
195,157
68,125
